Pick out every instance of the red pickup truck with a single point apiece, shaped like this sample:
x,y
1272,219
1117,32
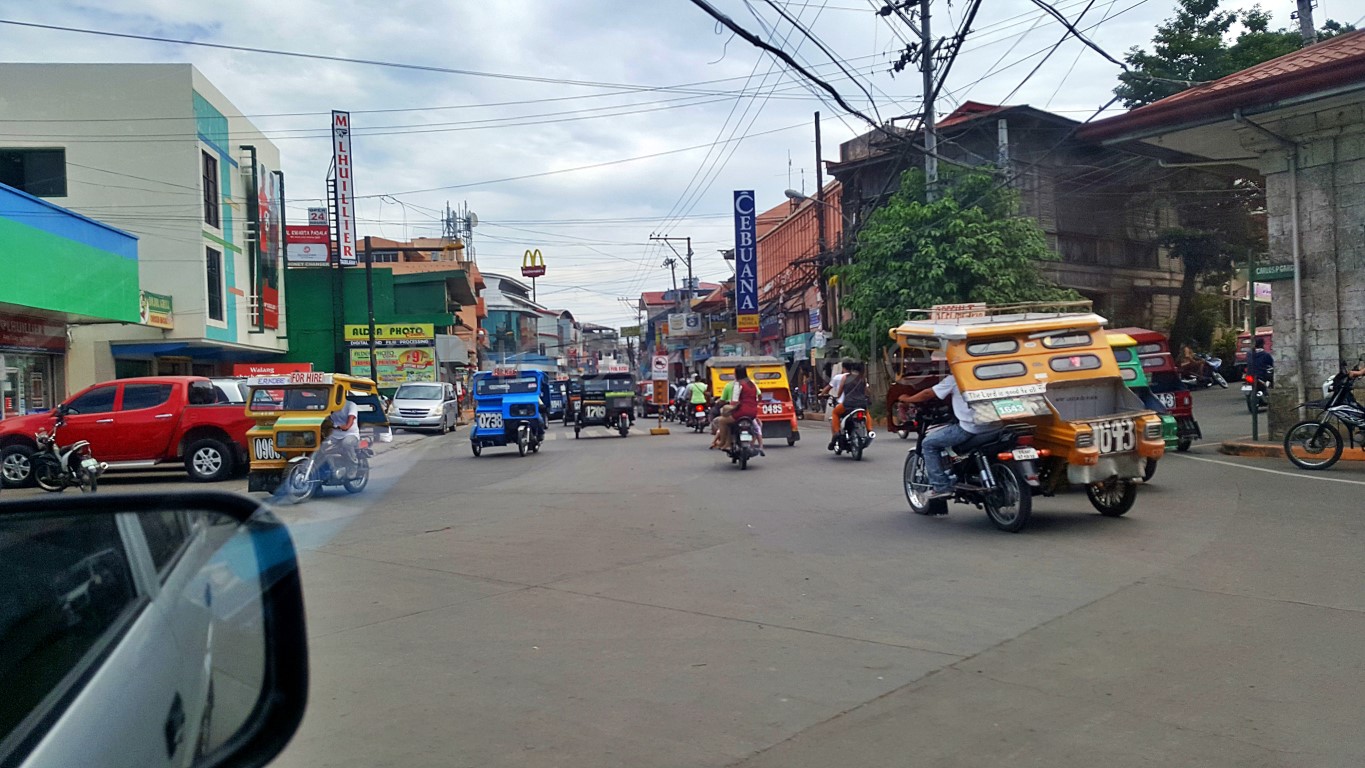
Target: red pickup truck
x,y
139,423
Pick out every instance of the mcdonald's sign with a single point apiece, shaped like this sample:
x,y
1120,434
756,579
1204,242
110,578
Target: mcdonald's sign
x,y
532,263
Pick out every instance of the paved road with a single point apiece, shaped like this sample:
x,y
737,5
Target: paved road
x,y
638,602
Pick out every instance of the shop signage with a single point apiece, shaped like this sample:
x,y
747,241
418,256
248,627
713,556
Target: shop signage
x,y
685,324
270,369
746,263
797,344
813,316
154,309
532,264
1271,272
307,245
317,217
617,368
770,327
345,188
27,332
405,334
395,365
628,331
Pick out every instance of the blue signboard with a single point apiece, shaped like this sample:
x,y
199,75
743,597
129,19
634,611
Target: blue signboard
x,y
746,263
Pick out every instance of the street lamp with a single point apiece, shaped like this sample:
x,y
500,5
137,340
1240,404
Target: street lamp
x,y
801,198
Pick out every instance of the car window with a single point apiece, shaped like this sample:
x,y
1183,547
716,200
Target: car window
x,y
66,593
138,397
166,534
200,393
97,400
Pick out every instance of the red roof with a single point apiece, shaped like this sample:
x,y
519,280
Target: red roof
x,y
656,298
1326,65
969,110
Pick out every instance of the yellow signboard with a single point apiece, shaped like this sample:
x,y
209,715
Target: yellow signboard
x,y
155,310
395,365
391,332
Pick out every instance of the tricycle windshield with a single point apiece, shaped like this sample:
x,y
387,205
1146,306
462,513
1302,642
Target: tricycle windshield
x,y
290,399
418,392
505,386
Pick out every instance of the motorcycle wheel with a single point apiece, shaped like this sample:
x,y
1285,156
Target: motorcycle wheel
x,y
1319,445
1252,405
1149,471
1008,505
623,428
47,473
476,448
904,433
521,444
856,449
1219,380
362,478
915,479
298,487
791,440
743,458
94,484
1112,498
1183,444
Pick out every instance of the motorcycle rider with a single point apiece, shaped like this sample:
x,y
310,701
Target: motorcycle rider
x,y
852,394
695,394
834,390
346,430
949,435
1261,363
746,405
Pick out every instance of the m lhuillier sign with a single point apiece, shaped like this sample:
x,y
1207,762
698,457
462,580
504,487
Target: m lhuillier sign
x,y
746,263
345,188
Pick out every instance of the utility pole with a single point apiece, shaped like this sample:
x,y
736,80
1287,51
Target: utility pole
x,y
926,68
820,240
1305,17
369,306
672,262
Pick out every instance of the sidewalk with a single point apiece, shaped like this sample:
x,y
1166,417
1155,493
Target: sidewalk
x,y
1243,446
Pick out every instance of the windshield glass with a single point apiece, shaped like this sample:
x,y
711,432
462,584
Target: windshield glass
x,y
290,399
418,392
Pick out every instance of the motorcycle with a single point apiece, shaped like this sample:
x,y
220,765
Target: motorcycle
x,y
55,468
698,417
671,411
1254,389
1315,443
854,436
742,446
994,471
1204,373
327,466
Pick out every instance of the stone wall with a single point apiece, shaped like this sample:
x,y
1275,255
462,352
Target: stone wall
x,y
1331,209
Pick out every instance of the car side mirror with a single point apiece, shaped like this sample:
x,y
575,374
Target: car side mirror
x,y
148,629
63,409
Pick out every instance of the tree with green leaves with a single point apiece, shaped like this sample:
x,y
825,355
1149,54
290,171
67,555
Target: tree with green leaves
x,y
1196,46
967,244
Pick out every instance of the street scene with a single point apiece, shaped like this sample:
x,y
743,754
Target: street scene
x,y
695,383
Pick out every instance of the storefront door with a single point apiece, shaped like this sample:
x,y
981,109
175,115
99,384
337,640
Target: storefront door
x,y
27,385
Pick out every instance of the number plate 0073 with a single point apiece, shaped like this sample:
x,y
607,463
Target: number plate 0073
x,y
1115,436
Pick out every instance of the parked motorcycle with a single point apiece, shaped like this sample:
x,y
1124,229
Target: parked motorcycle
x,y
994,472
742,446
1255,390
329,465
55,468
1205,373
1316,443
854,436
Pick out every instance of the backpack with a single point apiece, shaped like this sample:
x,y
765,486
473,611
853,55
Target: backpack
x,y
855,394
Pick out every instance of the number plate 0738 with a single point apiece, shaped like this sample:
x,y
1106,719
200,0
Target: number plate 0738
x,y
1115,436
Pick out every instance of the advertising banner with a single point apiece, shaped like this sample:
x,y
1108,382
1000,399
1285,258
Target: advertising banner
x,y
396,365
154,309
392,334
308,245
270,369
532,264
345,188
317,217
746,263
270,243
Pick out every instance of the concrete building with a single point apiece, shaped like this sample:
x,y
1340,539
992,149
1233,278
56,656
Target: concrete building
x,y
58,270
512,324
1298,121
457,346
790,260
157,151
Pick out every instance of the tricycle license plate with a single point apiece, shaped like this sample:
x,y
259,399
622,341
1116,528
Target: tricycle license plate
x,y
745,437
1246,387
1025,454
595,412
1115,436
1010,407
1167,399
488,420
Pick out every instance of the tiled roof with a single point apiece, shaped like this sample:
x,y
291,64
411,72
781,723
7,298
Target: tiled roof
x,y
1324,66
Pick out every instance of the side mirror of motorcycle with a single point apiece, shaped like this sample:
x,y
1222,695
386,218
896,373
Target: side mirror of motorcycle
x,y
148,629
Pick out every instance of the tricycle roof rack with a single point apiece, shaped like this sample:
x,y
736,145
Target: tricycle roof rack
x,y
963,320
736,360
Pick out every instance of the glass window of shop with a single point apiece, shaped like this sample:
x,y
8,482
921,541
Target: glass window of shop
x,y
29,382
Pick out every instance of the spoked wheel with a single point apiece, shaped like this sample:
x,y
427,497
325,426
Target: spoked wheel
x,y
1008,505
858,441
915,478
1312,445
47,473
476,448
361,479
297,485
1112,497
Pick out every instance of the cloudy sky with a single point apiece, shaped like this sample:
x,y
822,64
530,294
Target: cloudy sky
x,y
620,118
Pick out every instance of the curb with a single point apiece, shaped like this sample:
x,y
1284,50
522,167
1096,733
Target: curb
x,y
1244,447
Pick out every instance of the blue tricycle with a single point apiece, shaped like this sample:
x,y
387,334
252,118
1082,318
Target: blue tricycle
x,y
509,409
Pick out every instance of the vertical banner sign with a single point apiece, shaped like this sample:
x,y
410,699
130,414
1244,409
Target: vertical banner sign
x,y
345,188
746,263
270,239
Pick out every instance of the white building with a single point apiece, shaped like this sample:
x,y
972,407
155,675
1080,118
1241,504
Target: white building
x,y
156,150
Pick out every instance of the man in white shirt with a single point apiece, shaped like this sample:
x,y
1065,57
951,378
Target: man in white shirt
x,y
949,435
346,429
835,389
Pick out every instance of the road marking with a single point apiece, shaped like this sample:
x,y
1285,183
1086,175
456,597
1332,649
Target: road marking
x,y
1272,471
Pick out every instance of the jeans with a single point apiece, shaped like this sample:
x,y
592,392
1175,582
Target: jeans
x,y
933,446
